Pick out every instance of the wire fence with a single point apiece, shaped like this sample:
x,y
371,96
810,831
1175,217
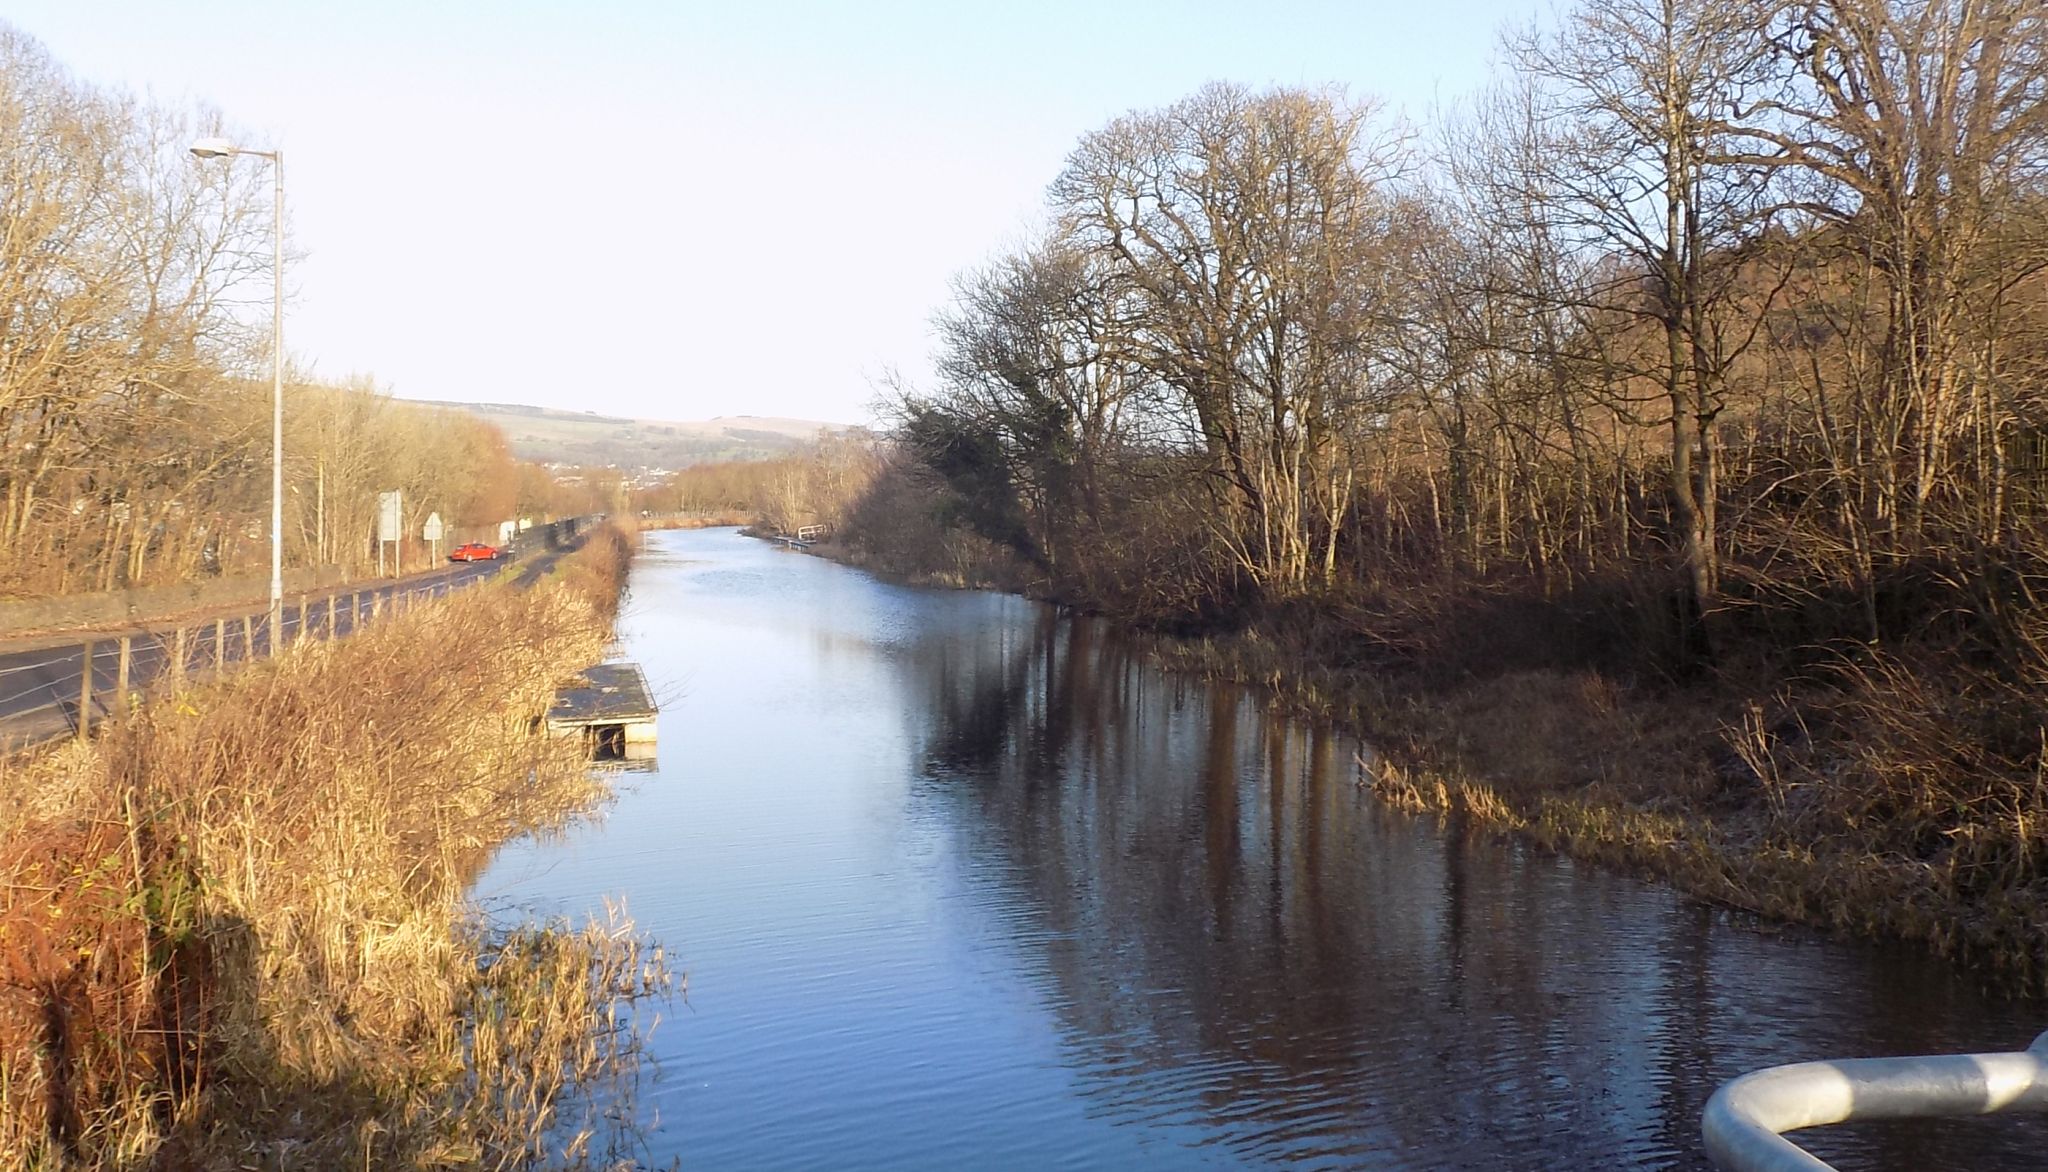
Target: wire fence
x,y
65,690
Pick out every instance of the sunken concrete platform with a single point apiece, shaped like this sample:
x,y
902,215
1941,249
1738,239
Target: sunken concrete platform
x,y
612,707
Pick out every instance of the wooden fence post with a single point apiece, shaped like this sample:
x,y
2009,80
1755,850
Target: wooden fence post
x,y
178,654
220,644
121,675
248,637
85,693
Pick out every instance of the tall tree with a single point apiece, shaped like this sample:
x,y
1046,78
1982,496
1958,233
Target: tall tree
x,y
1636,164
1244,223
1923,127
1035,349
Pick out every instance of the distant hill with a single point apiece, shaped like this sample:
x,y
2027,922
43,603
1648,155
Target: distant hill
x,y
585,437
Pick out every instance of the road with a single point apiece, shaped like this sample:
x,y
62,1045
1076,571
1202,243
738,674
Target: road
x,y
41,685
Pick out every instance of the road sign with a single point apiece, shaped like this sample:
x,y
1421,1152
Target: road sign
x,y
432,531
390,522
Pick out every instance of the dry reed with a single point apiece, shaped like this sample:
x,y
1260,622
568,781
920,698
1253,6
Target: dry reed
x,y
1887,801
233,931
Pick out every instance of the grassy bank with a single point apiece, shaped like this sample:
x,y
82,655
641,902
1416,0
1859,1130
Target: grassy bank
x,y
704,520
233,931
1865,795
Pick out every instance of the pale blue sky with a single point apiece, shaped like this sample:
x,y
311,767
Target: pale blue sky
x,y
680,210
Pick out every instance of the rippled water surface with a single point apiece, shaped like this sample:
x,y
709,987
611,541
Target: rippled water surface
x,y
957,883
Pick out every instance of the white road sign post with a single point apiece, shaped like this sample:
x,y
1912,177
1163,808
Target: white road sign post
x,y
432,531
390,527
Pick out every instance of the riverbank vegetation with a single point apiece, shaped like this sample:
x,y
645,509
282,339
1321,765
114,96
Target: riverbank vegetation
x,y
1651,453
135,389
233,927
814,487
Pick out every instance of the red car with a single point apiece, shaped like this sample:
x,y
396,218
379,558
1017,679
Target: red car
x,y
475,551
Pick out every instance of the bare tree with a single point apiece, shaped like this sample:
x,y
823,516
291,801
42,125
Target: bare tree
x,y
1244,223
1636,164
1921,127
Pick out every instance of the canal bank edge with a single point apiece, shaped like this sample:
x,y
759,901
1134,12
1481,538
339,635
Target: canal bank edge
x,y
246,903
1690,785
1699,784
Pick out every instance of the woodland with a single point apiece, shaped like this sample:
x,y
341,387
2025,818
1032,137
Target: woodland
x,y
1649,450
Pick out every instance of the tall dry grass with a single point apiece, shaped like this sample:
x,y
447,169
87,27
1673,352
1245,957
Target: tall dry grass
x,y
1907,801
233,930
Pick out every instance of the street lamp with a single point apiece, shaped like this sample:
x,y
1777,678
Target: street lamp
x,y
221,148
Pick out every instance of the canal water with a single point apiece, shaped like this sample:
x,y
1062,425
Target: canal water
x,y
957,883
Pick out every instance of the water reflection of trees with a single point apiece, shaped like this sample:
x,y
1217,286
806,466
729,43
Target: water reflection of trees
x,y
1235,938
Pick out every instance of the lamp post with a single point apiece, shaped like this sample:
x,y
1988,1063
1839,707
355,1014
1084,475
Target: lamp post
x,y
221,148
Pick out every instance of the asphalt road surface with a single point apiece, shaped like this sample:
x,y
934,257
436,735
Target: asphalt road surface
x,y
41,686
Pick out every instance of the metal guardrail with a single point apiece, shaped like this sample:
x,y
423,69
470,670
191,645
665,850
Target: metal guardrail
x,y
63,689
1744,1119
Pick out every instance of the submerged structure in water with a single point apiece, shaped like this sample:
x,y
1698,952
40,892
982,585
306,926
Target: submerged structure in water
x,y
612,708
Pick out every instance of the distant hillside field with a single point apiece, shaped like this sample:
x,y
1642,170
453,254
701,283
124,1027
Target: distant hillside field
x,y
583,437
